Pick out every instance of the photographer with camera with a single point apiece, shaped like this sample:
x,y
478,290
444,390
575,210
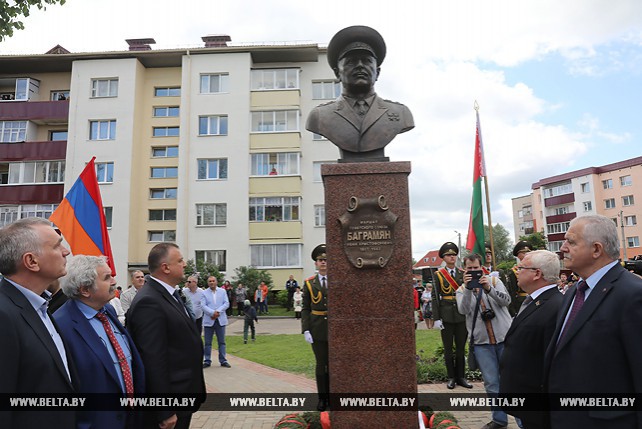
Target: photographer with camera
x,y
484,300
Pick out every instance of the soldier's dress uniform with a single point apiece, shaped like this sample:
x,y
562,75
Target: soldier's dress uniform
x,y
314,318
517,295
445,309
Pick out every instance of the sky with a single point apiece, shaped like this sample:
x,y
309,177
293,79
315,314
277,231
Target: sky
x,y
557,82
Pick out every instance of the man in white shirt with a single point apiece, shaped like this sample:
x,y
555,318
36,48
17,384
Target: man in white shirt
x,y
195,295
214,303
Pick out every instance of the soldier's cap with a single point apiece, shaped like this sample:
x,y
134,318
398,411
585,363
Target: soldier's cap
x,y
356,38
319,252
521,246
487,248
448,248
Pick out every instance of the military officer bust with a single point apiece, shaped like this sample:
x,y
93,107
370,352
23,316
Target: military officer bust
x,y
359,122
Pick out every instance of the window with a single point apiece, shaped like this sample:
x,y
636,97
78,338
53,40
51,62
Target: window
x,y
9,214
159,236
318,137
162,214
164,172
610,203
165,152
525,211
105,172
102,130
316,169
555,246
326,90
556,228
558,190
108,215
212,126
282,163
630,220
586,187
526,225
166,112
37,210
166,131
633,241
588,206
59,95
319,215
216,257
162,193
628,200
275,121
13,131
607,184
614,221
214,83
211,214
561,210
212,169
268,79
104,88
58,135
274,209
626,181
275,255
167,92
32,172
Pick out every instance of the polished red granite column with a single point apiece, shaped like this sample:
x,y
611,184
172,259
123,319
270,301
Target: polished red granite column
x,y
370,317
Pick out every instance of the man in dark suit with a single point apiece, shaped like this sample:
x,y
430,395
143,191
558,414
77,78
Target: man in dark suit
x,y
522,362
105,355
34,359
166,337
314,322
359,122
597,344
452,323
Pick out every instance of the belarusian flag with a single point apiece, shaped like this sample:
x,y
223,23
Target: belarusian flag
x,y
475,240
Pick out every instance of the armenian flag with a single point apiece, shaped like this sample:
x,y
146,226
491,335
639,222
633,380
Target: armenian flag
x,y
81,219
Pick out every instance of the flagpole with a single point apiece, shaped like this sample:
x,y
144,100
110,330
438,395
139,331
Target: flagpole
x,y
490,222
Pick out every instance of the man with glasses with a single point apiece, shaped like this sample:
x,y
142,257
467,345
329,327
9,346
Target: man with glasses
x,y
517,295
105,355
522,363
597,344
485,300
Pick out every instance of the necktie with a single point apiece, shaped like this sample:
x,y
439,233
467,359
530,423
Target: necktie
x,y
181,304
361,107
527,301
452,273
122,360
323,282
577,306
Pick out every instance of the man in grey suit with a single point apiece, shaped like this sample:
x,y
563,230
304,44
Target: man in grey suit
x,y
597,343
522,362
359,122
34,359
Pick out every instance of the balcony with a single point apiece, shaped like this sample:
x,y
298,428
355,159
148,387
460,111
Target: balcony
x,y
33,151
31,194
39,112
566,217
559,199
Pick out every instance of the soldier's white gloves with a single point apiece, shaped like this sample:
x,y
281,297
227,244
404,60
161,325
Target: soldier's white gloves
x,y
308,337
438,324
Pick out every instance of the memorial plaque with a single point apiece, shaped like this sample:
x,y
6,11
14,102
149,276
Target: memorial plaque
x,y
368,232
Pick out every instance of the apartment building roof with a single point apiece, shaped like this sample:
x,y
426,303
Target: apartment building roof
x,y
589,170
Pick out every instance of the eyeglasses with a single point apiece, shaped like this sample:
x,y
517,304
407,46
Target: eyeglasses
x,y
526,268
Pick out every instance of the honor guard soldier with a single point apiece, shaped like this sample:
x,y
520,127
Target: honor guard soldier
x,y
445,282
314,322
517,295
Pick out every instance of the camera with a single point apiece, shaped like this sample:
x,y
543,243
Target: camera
x,y
474,282
634,265
488,314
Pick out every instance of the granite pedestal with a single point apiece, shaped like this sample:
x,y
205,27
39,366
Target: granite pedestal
x,y
370,308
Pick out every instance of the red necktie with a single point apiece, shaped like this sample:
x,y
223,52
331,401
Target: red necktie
x,y
122,360
577,306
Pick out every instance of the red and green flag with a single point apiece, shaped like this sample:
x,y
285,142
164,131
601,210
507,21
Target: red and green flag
x,y
475,241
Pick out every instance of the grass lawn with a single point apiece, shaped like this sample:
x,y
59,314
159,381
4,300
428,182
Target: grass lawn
x,y
292,354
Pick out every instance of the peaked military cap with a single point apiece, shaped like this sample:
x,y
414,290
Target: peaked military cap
x,y
522,246
356,38
319,252
487,248
448,248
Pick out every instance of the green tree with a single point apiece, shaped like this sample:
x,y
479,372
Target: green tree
x,y
251,279
203,270
536,239
12,11
502,242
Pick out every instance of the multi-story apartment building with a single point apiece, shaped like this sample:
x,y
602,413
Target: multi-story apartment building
x,y
205,147
610,190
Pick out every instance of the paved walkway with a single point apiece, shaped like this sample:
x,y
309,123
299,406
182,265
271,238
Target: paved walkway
x,y
248,377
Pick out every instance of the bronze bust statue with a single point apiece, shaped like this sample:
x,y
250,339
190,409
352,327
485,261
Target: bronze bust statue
x,y
359,122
